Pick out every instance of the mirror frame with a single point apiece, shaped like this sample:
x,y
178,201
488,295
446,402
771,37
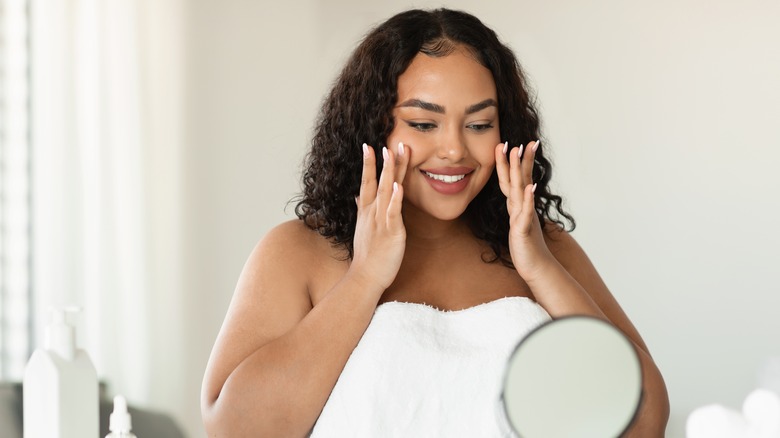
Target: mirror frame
x,y
536,331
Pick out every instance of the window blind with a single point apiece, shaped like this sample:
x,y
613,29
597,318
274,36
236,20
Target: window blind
x,y
15,237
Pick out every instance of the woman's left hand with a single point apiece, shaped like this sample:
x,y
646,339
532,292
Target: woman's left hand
x,y
527,248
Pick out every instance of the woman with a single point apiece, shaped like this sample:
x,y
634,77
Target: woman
x,y
418,190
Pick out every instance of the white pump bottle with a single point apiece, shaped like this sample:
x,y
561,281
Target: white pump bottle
x,y
60,389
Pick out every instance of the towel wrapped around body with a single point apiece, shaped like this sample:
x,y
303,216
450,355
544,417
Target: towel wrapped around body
x,y
418,371
760,418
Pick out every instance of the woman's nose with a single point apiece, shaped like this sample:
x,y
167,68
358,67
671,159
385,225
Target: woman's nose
x,y
452,146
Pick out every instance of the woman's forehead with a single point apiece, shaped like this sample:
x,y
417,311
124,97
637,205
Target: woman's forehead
x,y
457,78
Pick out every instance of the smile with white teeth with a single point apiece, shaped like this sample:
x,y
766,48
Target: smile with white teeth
x,y
445,178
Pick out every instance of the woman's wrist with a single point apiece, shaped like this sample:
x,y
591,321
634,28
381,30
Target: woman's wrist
x,y
364,281
559,293
541,271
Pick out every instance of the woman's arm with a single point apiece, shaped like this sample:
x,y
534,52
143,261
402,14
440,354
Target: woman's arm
x,y
573,286
564,281
277,359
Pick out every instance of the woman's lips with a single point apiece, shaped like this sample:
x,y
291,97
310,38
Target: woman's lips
x,y
448,180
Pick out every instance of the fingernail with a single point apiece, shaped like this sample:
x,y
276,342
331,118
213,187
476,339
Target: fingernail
x,y
395,187
506,146
365,150
400,148
536,145
533,189
520,151
384,153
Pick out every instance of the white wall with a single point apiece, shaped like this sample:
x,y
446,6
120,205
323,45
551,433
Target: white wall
x,y
662,120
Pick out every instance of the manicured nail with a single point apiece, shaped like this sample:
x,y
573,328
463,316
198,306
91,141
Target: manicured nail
x,y
506,146
520,152
400,148
395,187
536,145
365,150
384,153
533,189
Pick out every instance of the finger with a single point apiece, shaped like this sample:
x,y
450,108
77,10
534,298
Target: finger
x,y
515,172
402,156
528,213
368,178
528,162
394,218
502,168
385,187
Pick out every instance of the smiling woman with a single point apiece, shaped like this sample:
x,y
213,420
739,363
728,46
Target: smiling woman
x,y
391,306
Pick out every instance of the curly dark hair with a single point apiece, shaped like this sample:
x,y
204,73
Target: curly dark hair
x,y
359,110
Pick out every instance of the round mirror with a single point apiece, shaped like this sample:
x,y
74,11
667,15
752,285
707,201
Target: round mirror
x,y
576,376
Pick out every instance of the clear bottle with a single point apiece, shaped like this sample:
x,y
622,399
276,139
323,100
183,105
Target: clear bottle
x,y
119,423
60,389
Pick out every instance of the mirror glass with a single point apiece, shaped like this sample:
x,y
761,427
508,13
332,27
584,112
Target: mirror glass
x,y
574,376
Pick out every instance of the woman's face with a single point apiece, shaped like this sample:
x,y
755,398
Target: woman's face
x,y
447,115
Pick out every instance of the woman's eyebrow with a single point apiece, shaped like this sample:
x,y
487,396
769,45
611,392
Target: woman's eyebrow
x,y
424,105
434,107
480,106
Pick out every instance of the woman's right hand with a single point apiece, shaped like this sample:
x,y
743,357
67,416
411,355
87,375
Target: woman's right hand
x,y
380,235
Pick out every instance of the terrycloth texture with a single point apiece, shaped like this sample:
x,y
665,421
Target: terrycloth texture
x,y
760,418
422,372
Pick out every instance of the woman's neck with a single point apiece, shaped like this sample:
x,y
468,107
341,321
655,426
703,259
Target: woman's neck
x,y
426,231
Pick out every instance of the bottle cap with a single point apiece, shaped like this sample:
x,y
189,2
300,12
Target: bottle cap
x,y
119,421
60,334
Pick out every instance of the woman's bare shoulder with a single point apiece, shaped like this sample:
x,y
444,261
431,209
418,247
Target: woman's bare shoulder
x,y
577,263
561,244
294,245
297,240
277,263
570,254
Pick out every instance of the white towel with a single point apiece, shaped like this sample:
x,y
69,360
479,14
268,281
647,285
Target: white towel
x,y
760,418
421,372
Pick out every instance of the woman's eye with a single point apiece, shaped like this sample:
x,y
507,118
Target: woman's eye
x,y
421,126
480,126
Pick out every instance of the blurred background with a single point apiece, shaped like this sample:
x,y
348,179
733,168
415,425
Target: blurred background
x,y
146,147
